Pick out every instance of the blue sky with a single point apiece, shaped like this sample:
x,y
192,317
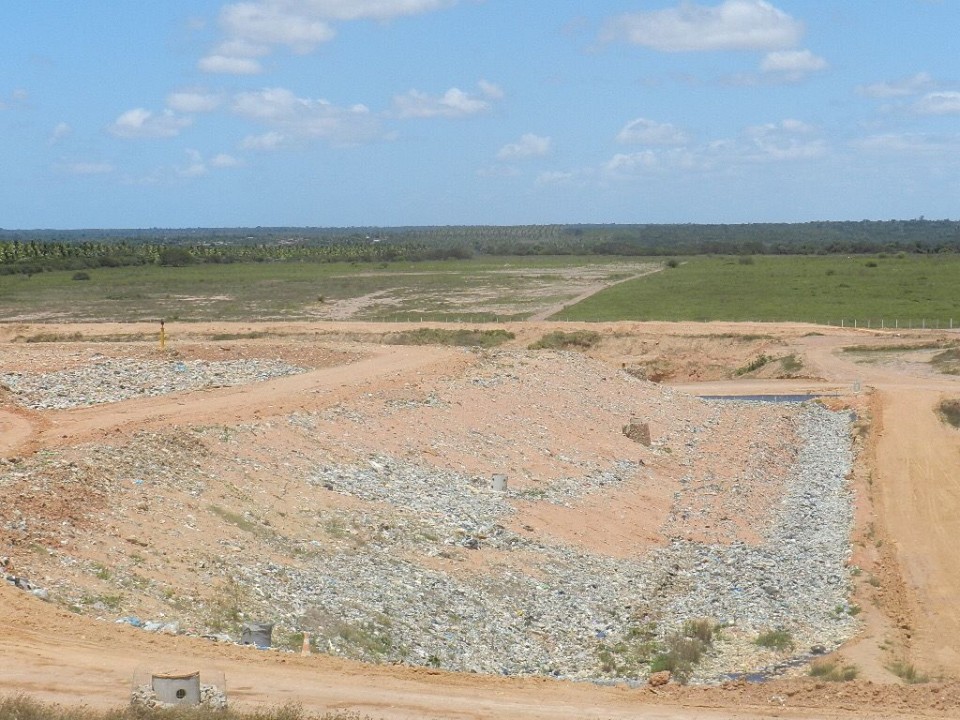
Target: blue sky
x,y
187,113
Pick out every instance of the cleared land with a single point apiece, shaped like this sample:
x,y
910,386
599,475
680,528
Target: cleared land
x,y
336,500
482,290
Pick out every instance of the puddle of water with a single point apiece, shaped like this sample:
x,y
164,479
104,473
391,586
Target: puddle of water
x,y
765,398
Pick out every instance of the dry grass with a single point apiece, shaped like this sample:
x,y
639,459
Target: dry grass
x,y
833,670
22,707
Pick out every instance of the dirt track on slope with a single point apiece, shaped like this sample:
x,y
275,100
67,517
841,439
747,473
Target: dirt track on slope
x,y
912,460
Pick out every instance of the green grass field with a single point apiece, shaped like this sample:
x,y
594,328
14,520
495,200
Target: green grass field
x,y
904,290
907,290
483,289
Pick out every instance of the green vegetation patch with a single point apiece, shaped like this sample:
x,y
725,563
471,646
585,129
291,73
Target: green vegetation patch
x,y
630,655
947,362
908,672
918,290
899,347
683,650
949,411
833,670
459,338
755,364
780,640
560,340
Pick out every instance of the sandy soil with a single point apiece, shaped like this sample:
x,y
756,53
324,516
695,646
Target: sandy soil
x,y
908,510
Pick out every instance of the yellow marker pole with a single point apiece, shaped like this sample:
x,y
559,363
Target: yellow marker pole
x,y
163,337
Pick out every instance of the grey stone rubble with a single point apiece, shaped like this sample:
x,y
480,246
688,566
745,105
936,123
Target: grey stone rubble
x,y
106,380
386,598
379,605
798,578
211,697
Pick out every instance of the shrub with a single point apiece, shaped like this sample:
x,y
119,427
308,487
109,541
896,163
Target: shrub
x,y
832,670
754,364
175,257
460,338
949,411
701,630
908,672
791,363
559,340
673,262
80,276
947,362
626,657
775,640
684,649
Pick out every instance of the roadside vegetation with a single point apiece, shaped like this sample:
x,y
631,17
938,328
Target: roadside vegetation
x,y
459,338
22,707
560,340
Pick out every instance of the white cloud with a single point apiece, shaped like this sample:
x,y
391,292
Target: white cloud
x,y
939,103
17,97
61,131
223,160
648,132
792,64
490,90
226,65
367,9
196,166
86,168
273,23
786,140
454,103
911,144
190,101
913,85
731,25
632,162
529,145
293,118
140,123
254,27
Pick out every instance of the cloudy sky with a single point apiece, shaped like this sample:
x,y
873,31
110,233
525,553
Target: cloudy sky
x,y
185,113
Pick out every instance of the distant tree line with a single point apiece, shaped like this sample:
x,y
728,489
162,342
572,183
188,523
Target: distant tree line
x,y
34,251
